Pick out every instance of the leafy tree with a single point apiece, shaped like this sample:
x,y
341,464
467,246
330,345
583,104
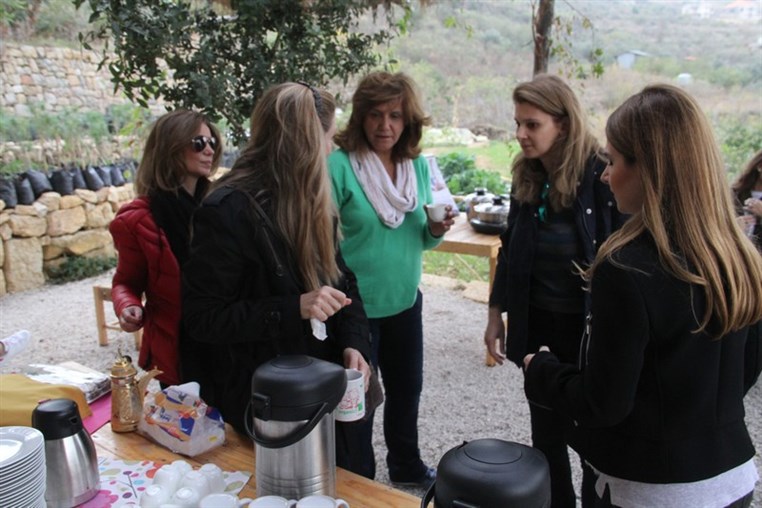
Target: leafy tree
x,y
220,58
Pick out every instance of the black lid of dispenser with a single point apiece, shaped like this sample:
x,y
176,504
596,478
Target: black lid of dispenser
x,y
493,472
293,388
57,418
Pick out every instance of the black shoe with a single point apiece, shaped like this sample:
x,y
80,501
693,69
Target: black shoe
x,y
423,482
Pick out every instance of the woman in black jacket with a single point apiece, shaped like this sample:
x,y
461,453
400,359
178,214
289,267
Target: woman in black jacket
x,y
674,335
265,273
560,212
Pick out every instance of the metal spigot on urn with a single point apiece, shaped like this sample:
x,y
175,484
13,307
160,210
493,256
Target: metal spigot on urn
x,y
127,394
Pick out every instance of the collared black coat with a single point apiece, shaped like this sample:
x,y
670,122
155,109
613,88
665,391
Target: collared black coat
x,y
652,402
596,217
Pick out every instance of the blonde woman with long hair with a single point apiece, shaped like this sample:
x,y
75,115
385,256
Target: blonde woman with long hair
x,y
560,213
674,336
264,259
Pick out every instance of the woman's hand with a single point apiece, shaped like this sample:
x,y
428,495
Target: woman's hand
x,y
322,303
495,334
440,228
528,358
746,221
754,206
131,318
354,360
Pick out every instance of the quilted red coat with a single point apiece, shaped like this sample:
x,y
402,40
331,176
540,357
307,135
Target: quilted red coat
x,y
146,265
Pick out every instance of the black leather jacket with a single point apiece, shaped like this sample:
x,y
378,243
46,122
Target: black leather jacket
x,y
596,216
241,304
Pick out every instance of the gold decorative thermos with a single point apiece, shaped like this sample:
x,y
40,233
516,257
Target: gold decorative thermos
x,y
127,394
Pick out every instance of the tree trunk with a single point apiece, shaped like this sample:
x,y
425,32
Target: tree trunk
x,y
541,25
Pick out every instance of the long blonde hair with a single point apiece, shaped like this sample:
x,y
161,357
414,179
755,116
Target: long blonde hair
x,y
687,206
162,166
553,96
284,165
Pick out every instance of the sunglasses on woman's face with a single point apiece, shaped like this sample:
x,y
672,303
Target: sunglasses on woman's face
x,y
200,142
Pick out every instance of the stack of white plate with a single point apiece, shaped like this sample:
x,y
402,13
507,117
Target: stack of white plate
x,y
22,467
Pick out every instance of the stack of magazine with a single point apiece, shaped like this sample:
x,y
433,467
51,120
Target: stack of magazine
x,y
93,384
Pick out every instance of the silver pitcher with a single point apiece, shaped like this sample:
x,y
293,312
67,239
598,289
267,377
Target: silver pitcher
x,y
293,398
70,458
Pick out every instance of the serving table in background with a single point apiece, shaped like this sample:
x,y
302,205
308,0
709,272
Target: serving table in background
x,y
462,239
237,454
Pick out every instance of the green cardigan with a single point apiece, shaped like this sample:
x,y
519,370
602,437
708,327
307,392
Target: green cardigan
x,y
387,262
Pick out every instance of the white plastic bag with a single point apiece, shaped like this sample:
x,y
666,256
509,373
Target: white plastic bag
x,y
179,420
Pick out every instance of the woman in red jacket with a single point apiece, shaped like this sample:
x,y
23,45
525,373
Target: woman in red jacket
x,y
152,234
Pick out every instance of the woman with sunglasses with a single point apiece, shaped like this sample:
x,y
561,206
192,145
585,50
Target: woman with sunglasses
x,y
152,235
265,276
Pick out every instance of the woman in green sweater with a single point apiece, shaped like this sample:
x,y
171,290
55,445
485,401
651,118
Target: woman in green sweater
x,y
380,183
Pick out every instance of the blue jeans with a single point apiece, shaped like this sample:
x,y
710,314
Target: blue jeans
x,y
397,351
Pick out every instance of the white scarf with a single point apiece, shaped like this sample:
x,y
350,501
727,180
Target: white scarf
x,y
390,200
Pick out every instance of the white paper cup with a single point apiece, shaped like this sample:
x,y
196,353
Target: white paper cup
x,y
436,211
272,502
318,501
352,405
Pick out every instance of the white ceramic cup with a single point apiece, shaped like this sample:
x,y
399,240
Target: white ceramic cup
x,y
436,211
154,496
318,501
197,481
352,405
185,497
215,476
168,477
219,500
272,502
182,466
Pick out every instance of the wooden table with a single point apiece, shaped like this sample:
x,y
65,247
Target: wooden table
x,y
237,454
462,239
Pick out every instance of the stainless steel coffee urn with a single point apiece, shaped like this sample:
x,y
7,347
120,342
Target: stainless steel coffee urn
x,y
70,458
292,401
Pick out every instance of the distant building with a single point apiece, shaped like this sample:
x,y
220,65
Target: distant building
x,y
627,59
701,10
749,10
684,78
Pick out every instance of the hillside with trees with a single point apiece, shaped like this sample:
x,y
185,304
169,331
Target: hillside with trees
x,y
467,55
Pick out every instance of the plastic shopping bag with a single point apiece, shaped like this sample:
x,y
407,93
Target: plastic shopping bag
x,y
178,419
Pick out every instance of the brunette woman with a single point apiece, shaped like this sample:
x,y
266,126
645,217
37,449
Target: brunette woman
x,y
152,235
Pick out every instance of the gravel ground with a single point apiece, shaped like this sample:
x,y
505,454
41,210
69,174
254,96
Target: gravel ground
x,y
462,399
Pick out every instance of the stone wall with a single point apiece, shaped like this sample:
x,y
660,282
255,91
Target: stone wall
x,y
59,78
36,237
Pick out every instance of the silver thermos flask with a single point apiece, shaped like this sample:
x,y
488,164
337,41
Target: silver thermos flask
x,y
292,403
70,458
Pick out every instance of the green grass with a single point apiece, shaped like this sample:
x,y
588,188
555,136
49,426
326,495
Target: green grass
x,y
456,266
492,156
